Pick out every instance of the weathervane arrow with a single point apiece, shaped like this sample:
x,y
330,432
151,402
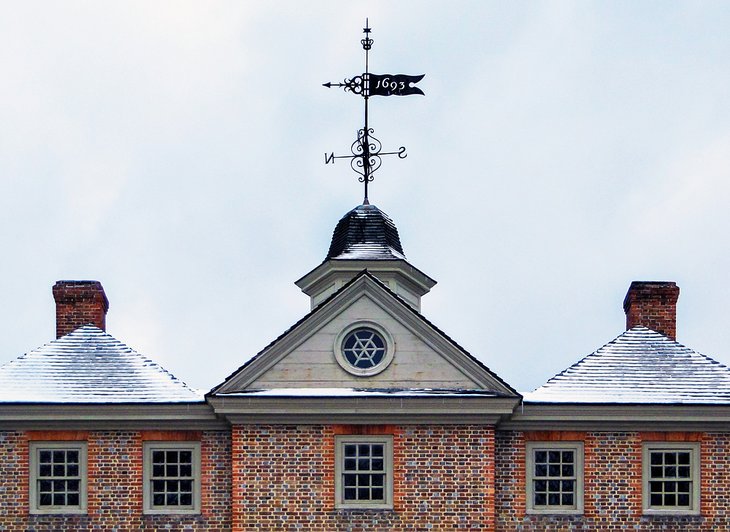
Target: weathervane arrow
x,y
366,150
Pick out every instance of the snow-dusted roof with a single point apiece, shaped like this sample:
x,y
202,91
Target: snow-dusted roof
x,y
89,366
359,392
639,366
366,233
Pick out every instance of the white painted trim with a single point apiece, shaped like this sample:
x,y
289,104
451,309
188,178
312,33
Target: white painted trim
x,y
148,448
367,372
340,502
35,447
577,448
695,468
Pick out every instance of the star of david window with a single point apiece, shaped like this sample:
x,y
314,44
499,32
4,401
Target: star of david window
x,y
364,349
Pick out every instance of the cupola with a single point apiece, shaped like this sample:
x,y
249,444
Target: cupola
x,y
366,239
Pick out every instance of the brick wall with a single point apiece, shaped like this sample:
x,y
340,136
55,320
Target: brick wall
x,y
612,483
283,478
114,471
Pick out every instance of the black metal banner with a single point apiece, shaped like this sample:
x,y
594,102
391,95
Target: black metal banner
x,y
393,84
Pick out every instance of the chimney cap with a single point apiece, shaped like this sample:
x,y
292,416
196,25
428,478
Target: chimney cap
x,y
79,303
648,288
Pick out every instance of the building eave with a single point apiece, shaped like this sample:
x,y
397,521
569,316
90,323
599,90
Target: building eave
x,y
363,410
618,417
129,416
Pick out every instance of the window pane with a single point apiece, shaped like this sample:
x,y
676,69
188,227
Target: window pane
x,y
540,456
158,457
350,450
45,457
363,450
540,499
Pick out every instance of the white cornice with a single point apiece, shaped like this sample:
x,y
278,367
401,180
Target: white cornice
x,y
618,417
198,416
409,410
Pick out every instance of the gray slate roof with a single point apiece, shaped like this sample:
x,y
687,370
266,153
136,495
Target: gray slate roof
x,y
366,233
639,366
89,366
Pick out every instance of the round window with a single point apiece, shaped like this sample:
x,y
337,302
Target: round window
x,y
364,349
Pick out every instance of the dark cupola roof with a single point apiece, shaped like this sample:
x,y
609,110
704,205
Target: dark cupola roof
x,y
366,233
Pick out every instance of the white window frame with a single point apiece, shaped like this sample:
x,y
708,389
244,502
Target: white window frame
x,y
694,449
35,449
577,448
364,372
148,448
340,442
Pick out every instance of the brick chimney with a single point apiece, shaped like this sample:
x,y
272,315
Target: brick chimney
x,y
79,303
653,304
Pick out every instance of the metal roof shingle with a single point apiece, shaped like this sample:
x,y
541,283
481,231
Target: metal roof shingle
x,y
89,366
639,366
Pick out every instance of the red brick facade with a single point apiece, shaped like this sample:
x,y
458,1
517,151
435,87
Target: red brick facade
x,y
612,482
114,472
276,477
283,477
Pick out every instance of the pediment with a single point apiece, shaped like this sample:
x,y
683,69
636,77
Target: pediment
x,y
310,354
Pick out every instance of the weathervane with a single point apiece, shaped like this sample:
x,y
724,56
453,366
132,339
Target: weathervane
x,y
366,150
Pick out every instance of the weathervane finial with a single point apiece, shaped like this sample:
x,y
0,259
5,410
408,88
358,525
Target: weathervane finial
x,y
366,150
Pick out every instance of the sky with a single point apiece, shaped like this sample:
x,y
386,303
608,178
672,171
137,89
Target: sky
x,y
174,151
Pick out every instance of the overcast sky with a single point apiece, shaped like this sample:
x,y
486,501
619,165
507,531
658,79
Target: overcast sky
x,y
174,151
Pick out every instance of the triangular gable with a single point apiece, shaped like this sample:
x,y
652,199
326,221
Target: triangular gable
x,y
304,356
640,366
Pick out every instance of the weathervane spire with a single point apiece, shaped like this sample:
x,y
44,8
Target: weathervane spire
x,y
366,150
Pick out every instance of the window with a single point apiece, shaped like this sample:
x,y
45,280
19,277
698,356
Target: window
x,y
671,478
364,349
554,477
171,477
364,472
58,477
